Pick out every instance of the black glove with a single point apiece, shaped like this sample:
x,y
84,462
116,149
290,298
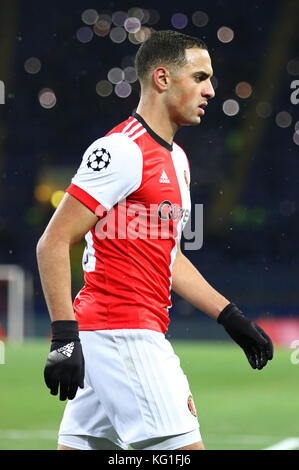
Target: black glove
x,y
253,340
65,363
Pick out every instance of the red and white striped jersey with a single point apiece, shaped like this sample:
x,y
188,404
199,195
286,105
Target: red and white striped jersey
x,y
138,185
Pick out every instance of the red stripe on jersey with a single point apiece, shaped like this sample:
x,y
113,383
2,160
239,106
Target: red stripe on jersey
x,y
86,199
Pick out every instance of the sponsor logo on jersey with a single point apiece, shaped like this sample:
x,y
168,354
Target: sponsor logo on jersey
x,y
99,159
164,178
191,406
169,211
139,221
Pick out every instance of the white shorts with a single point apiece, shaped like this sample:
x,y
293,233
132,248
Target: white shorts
x,y
135,393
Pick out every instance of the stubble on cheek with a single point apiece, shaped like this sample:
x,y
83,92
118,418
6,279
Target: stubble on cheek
x,y
185,96
187,107
182,103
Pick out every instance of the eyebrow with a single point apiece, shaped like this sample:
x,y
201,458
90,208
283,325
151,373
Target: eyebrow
x,y
202,74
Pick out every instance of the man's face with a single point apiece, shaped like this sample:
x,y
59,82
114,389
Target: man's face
x,y
190,88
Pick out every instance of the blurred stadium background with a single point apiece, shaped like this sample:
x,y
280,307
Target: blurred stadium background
x,y
67,77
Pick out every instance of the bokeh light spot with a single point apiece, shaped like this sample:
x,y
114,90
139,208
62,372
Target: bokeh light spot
x,y
143,34
132,38
32,65
283,119
130,74
154,16
214,81
43,193
101,28
296,138
200,18
116,75
132,25
179,20
136,13
293,67
225,34
47,98
104,88
243,90
84,34
57,197
118,34
123,89
230,107
119,17
89,16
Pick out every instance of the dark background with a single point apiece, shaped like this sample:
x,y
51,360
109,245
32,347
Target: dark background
x,y
244,168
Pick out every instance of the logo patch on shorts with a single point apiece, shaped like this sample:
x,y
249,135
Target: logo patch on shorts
x,y
191,406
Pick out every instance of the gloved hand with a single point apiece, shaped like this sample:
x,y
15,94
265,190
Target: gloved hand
x,y
65,363
253,340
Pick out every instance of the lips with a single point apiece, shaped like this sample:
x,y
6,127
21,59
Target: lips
x,y
201,108
203,105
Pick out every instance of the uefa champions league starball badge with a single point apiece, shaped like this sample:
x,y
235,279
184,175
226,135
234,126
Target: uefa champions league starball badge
x,y
99,159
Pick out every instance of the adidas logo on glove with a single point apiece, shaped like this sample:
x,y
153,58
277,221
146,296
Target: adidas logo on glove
x,y
67,350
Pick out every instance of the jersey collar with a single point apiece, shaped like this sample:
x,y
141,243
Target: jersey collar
x,y
155,136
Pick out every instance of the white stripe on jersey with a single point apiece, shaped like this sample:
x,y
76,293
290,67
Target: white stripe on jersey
x,y
133,129
128,125
180,164
138,134
172,259
89,259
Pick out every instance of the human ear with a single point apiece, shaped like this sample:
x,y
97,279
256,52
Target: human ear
x,y
161,78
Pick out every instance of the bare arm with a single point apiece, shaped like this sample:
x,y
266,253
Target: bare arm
x,y
70,222
191,286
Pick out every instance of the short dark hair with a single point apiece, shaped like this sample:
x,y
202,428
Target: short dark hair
x,y
164,48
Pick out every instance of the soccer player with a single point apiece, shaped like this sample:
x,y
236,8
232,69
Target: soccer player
x,y
130,199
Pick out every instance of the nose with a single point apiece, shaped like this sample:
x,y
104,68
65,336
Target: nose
x,y
208,91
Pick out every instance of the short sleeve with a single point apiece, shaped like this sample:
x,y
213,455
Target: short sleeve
x,y
111,169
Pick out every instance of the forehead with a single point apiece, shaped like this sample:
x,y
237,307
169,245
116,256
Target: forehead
x,y
198,60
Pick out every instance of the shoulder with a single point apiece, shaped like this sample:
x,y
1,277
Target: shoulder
x,y
179,149
117,143
111,169
115,149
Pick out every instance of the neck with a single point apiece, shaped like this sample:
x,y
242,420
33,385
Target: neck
x,y
156,115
